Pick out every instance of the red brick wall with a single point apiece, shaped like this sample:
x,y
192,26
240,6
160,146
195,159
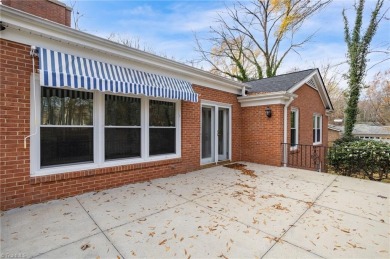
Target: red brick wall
x,y
308,103
51,10
262,136
17,188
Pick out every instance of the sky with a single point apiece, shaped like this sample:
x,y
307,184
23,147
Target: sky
x,y
167,28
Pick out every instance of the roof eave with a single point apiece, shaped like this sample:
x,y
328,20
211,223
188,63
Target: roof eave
x,y
273,98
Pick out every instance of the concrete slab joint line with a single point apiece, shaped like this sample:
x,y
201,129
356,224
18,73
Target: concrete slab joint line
x,y
210,213
99,228
291,226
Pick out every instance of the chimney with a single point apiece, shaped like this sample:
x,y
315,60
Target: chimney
x,y
52,10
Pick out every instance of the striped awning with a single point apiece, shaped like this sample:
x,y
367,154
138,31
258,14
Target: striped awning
x,y
64,70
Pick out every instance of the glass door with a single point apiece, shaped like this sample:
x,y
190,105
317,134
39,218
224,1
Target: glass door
x,y
215,130
223,133
208,135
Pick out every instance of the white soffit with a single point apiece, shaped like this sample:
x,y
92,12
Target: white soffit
x,y
273,98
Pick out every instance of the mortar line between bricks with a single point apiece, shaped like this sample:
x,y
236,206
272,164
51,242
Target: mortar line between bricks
x,y
291,226
99,228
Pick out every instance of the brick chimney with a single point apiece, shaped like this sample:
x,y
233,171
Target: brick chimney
x,y
52,10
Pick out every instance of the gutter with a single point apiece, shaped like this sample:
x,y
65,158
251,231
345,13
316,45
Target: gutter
x,y
285,111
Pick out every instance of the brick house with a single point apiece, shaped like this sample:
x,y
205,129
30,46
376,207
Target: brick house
x,y
65,125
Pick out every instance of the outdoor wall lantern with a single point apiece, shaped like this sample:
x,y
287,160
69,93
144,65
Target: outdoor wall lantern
x,y
268,112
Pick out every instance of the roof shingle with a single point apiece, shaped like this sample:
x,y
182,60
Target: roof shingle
x,y
278,83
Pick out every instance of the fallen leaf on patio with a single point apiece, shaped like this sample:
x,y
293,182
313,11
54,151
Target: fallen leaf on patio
x,y
128,235
383,197
279,206
264,222
355,246
133,253
118,257
383,251
144,219
167,248
345,230
85,246
162,242
309,204
181,239
222,256
255,221
67,213
185,252
245,185
382,221
151,234
317,211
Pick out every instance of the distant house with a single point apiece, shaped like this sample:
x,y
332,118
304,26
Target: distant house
x,y
81,113
362,131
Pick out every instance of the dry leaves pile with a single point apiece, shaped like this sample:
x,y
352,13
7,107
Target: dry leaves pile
x,y
241,167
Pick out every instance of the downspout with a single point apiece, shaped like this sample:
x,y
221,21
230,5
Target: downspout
x,y
285,130
243,91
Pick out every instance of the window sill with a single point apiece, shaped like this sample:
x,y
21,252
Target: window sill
x,y
91,169
317,144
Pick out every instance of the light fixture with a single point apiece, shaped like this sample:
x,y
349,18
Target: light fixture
x,y
268,112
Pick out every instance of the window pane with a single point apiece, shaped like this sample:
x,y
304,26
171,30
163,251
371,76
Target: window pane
x,y
161,113
314,122
122,111
122,143
66,107
318,135
318,122
293,137
314,135
293,119
162,141
66,145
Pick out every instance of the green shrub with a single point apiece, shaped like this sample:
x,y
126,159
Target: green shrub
x,y
360,158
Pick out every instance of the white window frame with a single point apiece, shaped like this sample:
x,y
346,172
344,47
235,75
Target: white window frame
x,y
296,111
315,117
98,142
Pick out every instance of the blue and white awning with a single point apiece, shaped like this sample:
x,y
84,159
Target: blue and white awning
x,y
64,70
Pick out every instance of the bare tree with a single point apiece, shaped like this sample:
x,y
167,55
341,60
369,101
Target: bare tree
x,y
76,15
375,105
257,36
332,79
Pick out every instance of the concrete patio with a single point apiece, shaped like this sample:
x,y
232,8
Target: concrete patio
x,y
212,213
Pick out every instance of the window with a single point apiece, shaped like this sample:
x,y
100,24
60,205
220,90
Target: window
x,y
81,130
66,127
317,125
122,134
162,129
294,128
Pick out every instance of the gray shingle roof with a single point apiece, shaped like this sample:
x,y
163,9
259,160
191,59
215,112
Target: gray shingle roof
x,y
365,129
278,83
